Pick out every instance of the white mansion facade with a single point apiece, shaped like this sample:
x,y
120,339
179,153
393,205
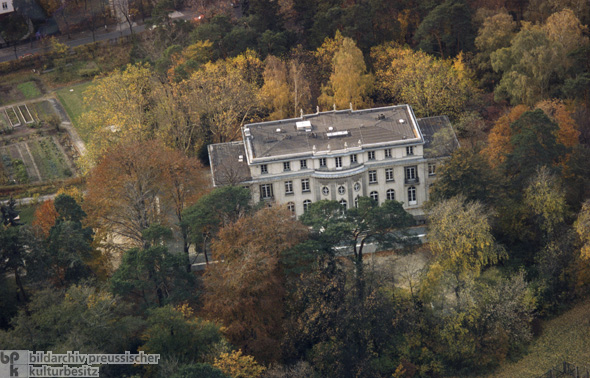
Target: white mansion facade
x,y
383,153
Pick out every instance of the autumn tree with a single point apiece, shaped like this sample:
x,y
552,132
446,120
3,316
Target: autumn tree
x,y
223,96
432,86
349,81
275,90
238,365
122,109
138,184
461,242
245,289
582,227
44,218
499,137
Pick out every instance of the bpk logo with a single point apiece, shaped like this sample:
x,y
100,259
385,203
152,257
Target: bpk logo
x,y
14,363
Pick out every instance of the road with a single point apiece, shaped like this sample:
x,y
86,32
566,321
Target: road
x,y
85,37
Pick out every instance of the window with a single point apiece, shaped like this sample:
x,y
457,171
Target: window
x,y
353,159
371,155
391,194
341,190
325,190
343,203
303,164
306,204
305,185
356,201
388,152
410,150
431,169
322,162
372,177
265,191
357,186
288,187
411,176
374,196
286,166
264,169
412,195
338,161
389,174
4,5
291,207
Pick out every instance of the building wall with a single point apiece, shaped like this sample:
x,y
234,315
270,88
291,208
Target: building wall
x,y
6,6
346,182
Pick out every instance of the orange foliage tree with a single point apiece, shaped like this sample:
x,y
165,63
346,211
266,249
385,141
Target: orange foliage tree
x,y
499,137
44,218
245,290
138,184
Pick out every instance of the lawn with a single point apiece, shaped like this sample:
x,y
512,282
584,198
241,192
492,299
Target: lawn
x,y
29,90
73,103
565,338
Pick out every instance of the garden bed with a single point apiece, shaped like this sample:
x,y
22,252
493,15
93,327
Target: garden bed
x,y
41,110
12,116
25,113
50,161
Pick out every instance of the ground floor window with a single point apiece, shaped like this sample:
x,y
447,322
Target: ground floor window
x,y
412,195
306,205
391,194
374,196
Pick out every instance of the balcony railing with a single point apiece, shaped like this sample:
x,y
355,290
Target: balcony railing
x,y
413,180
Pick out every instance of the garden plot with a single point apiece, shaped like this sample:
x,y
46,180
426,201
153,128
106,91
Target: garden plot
x,y
12,117
25,113
41,110
4,123
34,160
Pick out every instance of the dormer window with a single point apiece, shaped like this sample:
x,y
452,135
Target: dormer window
x,y
410,150
322,162
371,155
286,166
263,169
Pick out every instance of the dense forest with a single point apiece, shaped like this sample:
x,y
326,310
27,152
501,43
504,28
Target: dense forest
x,y
508,218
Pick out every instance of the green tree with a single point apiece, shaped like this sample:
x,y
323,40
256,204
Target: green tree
x,y
355,227
82,318
446,29
213,211
534,144
13,28
467,173
176,333
153,277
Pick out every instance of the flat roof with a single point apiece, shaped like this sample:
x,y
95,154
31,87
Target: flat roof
x,y
331,132
228,163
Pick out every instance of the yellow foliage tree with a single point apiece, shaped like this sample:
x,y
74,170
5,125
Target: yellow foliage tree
x,y
275,90
349,82
237,365
499,137
122,104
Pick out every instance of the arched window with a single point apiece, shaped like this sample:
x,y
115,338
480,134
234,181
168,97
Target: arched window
x,y
374,196
412,195
306,204
344,203
356,201
291,207
391,194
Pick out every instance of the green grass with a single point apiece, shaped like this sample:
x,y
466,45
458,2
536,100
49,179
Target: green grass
x,y
41,110
26,213
73,103
565,338
29,90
